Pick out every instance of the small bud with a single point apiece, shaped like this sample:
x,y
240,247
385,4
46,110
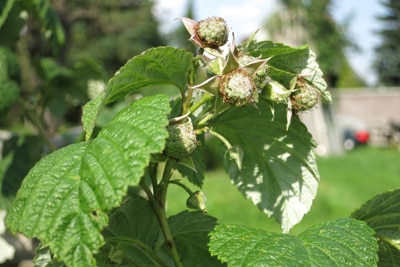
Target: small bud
x,y
181,141
237,88
276,92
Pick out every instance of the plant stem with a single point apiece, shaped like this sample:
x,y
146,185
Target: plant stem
x,y
153,167
220,137
205,98
157,201
183,186
140,245
163,186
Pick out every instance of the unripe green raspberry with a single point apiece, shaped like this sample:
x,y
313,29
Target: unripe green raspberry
x,y
260,78
212,32
181,141
305,97
237,88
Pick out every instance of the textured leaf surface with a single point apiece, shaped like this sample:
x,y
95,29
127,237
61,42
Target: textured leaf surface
x,y
190,231
156,66
286,62
279,172
63,198
133,229
388,255
90,112
117,156
48,206
342,242
345,242
160,65
382,213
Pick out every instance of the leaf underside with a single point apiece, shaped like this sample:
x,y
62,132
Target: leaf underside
x,y
278,172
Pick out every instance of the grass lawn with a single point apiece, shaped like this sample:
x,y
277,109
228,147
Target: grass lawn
x,y
347,181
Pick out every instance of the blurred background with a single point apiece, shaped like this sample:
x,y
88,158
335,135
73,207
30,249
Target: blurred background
x,y
55,55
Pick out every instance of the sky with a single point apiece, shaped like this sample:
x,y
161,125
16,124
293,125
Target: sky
x,y
246,16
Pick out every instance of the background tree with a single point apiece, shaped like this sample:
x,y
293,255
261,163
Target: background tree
x,y
387,62
52,54
310,22
108,31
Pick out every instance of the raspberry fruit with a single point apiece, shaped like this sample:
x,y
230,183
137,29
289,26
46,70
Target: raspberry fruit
x,y
181,141
305,96
237,88
212,32
260,78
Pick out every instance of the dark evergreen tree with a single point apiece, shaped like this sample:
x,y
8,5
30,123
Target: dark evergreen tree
x,y
387,63
109,31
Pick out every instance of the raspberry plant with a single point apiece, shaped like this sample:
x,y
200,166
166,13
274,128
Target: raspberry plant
x,y
103,201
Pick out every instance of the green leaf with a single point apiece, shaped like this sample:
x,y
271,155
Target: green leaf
x,y
279,172
48,206
50,22
117,157
44,258
51,70
244,246
5,7
287,62
133,230
344,242
382,213
90,113
26,155
190,232
3,65
388,255
9,92
63,199
156,66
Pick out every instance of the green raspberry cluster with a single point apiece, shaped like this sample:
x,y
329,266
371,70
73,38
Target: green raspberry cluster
x,y
237,88
213,32
304,98
260,78
181,141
